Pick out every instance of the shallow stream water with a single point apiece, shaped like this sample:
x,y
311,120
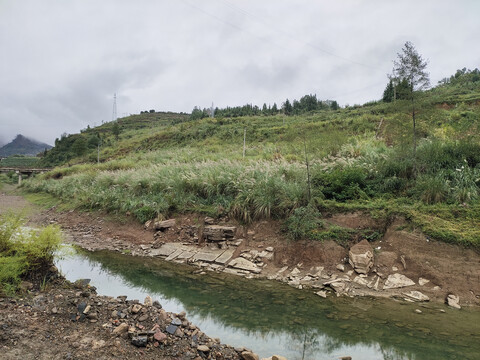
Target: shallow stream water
x,y
273,318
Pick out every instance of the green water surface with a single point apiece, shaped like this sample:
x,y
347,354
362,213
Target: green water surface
x,y
272,318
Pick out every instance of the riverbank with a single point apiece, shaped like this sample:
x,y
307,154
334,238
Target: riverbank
x,y
404,264
56,319
70,321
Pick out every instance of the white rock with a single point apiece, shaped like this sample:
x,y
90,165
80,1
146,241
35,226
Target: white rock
x,y
360,257
416,296
360,281
453,301
397,281
423,281
148,301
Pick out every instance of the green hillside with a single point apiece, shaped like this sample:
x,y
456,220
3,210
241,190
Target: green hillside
x,y
358,157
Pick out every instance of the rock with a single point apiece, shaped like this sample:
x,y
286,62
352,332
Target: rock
x,y
244,264
322,294
453,301
248,355
338,286
87,309
219,233
136,308
176,322
98,344
81,283
148,301
209,220
278,357
418,311
54,310
269,249
159,336
164,225
203,348
140,341
25,286
171,329
397,281
345,358
147,224
360,257
416,296
178,332
121,329
294,272
341,267
143,318
360,281
182,315
81,307
423,281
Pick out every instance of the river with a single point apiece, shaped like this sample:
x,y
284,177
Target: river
x,y
273,318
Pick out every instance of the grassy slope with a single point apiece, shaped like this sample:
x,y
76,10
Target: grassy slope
x,y
163,164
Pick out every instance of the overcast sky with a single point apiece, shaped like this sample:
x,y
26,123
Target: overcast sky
x,y
61,61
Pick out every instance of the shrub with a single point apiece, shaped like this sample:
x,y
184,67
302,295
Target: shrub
x,y
432,189
303,223
24,252
342,184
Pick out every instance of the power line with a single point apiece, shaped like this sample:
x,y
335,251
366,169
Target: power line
x,y
277,30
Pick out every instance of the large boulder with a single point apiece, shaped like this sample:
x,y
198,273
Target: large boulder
x,y
360,257
164,225
219,233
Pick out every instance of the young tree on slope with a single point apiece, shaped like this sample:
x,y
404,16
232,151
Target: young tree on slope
x,y
410,67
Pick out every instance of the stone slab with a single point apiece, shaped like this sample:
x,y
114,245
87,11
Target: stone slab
x,y
187,254
208,256
164,250
244,264
225,257
174,254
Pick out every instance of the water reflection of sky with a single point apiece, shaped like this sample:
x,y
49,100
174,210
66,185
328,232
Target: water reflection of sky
x,y
301,342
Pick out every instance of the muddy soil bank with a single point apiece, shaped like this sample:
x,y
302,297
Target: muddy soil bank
x,y
435,269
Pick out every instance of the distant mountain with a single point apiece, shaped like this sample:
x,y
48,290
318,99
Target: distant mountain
x,y
22,145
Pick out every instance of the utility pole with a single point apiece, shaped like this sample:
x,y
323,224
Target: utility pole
x,y
244,138
114,112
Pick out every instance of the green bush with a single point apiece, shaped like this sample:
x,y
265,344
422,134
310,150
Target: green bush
x,y
432,189
24,252
303,223
348,183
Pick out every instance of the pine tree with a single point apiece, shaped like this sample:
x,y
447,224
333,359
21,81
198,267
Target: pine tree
x,y
389,93
410,67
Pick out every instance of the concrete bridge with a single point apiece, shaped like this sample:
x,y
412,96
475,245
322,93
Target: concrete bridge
x,y
23,171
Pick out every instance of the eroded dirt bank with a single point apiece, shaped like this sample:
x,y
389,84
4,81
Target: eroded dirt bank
x,y
405,263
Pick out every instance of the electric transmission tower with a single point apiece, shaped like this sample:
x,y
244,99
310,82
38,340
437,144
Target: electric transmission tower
x,y
114,113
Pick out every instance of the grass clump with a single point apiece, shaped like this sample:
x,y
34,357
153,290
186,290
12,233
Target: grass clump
x,y
304,223
24,253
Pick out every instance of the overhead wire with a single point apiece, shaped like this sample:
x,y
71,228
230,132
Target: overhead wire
x,y
281,32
